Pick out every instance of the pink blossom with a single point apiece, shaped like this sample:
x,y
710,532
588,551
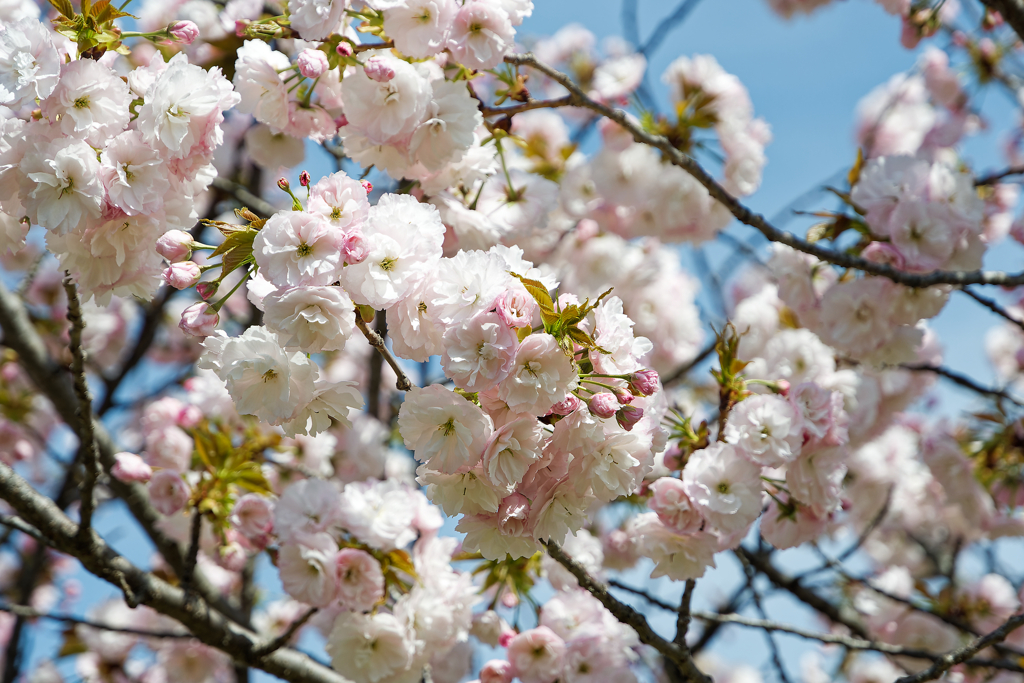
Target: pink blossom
x,y
360,580
496,671
673,505
644,382
513,515
603,404
567,405
130,467
515,307
253,516
307,566
184,31
167,491
199,320
312,63
536,655
182,275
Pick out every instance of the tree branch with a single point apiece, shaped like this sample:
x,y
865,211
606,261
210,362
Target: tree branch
x,y
403,383
960,380
1012,11
205,624
29,613
50,378
677,655
88,452
954,657
756,220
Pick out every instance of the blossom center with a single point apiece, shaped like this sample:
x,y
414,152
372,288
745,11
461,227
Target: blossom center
x,y
388,264
82,102
269,375
448,428
303,250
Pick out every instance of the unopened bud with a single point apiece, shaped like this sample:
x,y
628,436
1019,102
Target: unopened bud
x,y
240,27
312,63
199,320
566,406
367,185
182,275
284,184
304,179
184,31
344,49
624,396
603,404
207,289
175,245
628,416
644,382
377,69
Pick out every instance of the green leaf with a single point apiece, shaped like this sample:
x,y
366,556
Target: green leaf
x,y
400,560
236,249
64,7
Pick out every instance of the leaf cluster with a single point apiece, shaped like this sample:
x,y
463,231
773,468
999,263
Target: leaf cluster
x,y
93,29
562,323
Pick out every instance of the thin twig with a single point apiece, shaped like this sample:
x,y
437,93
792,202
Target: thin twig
x,y
512,109
257,205
670,22
29,613
960,380
627,615
683,370
86,438
995,177
954,657
289,633
403,383
755,220
994,307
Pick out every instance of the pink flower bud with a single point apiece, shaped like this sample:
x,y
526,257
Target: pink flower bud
x,y
628,416
623,396
189,417
253,516
168,492
184,31
344,49
130,467
341,121
496,671
312,63
377,69
567,405
182,275
586,229
304,179
284,184
603,405
241,25
506,637
644,382
367,185
199,320
207,289
355,249
175,245
784,386
509,599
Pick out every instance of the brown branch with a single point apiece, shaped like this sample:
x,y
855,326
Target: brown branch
x,y
289,633
683,370
257,205
403,383
801,592
995,177
29,613
954,657
960,380
1012,11
756,220
675,654
140,587
88,451
511,110
21,336
994,307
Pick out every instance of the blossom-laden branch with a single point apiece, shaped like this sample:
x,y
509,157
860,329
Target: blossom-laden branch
x,y
755,220
672,651
21,336
30,613
951,659
87,440
141,587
